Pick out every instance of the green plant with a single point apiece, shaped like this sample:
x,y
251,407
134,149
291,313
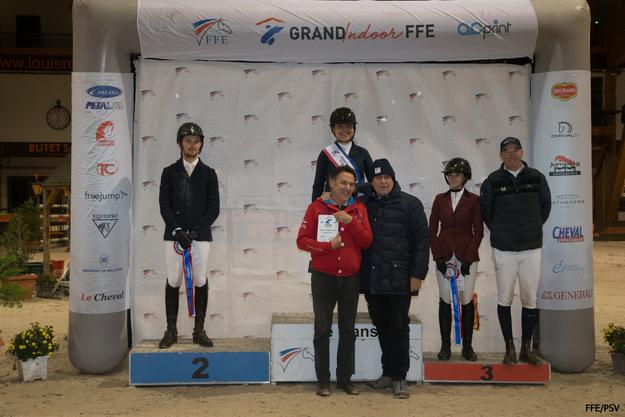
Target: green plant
x,y
22,232
33,342
615,338
46,280
10,295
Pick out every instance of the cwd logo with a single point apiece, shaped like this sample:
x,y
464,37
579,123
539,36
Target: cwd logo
x,y
212,31
104,134
273,26
287,356
107,168
564,91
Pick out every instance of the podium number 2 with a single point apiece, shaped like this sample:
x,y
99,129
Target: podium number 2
x,y
199,374
488,373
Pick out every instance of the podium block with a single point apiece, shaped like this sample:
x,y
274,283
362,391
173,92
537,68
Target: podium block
x,y
293,357
230,361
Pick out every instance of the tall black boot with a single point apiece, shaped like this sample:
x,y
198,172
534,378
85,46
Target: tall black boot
x,y
529,318
171,312
201,301
468,315
444,322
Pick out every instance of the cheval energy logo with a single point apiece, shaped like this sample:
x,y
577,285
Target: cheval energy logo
x,y
213,31
564,91
563,166
342,33
568,234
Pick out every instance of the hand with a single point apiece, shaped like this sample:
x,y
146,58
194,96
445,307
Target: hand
x,y
465,268
336,242
183,239
441,265
415,285
342,217
193,235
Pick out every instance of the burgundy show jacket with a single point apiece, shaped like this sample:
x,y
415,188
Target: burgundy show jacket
x,y
460,232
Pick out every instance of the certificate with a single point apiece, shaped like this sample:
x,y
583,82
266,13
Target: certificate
x,y
327,227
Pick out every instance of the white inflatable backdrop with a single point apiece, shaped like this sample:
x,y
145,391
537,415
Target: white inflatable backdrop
x,y
265,125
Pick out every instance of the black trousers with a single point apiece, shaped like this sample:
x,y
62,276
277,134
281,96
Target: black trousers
x,y
389,314
328,291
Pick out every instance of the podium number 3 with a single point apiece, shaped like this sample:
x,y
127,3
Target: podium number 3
x,y
199,372
488,373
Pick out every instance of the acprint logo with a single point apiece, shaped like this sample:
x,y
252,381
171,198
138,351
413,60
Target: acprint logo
x,y
287,356
479,28
273,26
480,141
106,168
248,294
216,316
211,31
104,134
563,166
284,94
313,164
105,223
564,91
217,229
348,96
182,70
248,251
215,273
568,234
104,91
565,130
150,273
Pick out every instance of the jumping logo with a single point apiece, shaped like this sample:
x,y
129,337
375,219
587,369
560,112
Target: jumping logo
x,y
273,26
287,355
213,31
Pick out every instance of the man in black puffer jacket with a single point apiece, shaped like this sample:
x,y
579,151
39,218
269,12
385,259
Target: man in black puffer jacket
x,y
515,202
393,269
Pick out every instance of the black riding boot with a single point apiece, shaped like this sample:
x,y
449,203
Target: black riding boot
x,y
201,301
468,315
171,312
444,322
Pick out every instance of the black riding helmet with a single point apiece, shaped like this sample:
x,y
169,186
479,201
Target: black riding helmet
x,y
342,115
458,166
190,128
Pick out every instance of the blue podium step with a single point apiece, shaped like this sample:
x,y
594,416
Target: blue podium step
x,y
230,361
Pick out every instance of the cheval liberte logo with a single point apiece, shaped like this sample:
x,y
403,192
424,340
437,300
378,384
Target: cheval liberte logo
x,y
212,31
564,91
568,234
273,26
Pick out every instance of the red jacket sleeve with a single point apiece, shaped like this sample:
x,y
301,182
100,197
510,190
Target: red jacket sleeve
x,y
433,228
360,228
478,233
307,235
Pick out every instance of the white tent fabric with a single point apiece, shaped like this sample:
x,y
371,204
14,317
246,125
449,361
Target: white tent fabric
x,y
265,125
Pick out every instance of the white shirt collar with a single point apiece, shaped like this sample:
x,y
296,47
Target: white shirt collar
x,y
346,146
190,166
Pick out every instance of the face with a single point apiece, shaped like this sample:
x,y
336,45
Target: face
x,y
344,132
511,155
342,187
190,146
456,180
382,184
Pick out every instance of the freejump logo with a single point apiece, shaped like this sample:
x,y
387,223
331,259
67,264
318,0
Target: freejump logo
x,y
568,234
564,91
212,31
105,223
273,26
479,28
563,166
565,130
287,356
104,134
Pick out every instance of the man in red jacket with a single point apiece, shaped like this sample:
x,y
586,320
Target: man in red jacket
x,y
335,231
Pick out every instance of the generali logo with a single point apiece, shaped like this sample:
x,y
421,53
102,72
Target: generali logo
x,y
564,91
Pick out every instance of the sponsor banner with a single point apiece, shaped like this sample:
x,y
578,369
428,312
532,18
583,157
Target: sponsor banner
x,y
562,138
335,31
293,354
101,192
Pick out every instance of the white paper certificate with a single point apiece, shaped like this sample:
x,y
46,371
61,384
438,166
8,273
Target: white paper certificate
x,y
327,228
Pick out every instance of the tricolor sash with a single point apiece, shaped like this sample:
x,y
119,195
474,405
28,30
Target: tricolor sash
x,y
187,271
337,155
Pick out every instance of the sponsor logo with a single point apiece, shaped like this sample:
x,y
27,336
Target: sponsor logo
x,y
568,234
316,118
382,119
248,251
217,229
477,185
283,95
566,200
313,164
181,116
150,273
146,228
249,162
412,141
249,207
216,93
564,91
145,93
273,26
283,186
104,91
215,273
479,28
149,316
100,196
104,105
565,130
512,74
216,316
103,267
413,186
382,73
214,139
147,139
349,96
149,184
567,295
563,267
104,134
448,73
283,140
563,166
413,96
250,71
515,118
413,355
212,31
281,230
480,96
105,223
248,294
282,274
447,118
318,73
249,117
101,297
107,168
287,356
480,141
182,70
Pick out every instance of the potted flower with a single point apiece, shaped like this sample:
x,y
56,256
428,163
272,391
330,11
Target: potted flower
x,y
615,338
31,349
